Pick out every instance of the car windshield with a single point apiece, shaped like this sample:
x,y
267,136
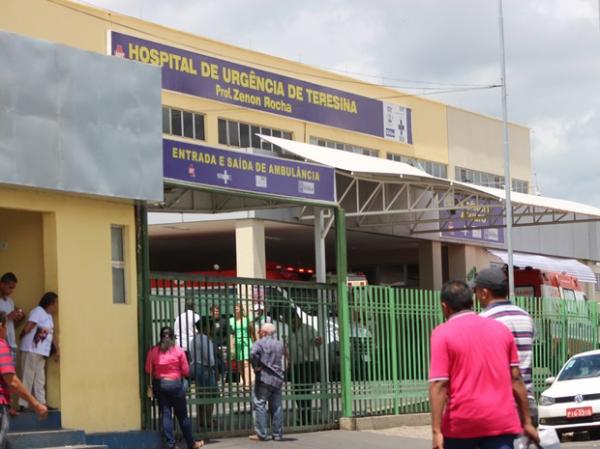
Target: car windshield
x,y
581,368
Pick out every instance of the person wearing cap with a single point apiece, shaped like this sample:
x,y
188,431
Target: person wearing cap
x,y
474,379
491,290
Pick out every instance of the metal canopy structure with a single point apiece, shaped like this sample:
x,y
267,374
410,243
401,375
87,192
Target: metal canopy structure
x,y
401,199
179,197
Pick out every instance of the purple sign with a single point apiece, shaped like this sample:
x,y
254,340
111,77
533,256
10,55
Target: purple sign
x,y
471,225
246,172
204,76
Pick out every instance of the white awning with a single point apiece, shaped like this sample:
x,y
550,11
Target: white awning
x,y
345,160
358,163
538,200
570,266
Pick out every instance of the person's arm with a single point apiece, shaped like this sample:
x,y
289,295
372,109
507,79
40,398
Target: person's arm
x,y
15,385
183,364
149,362
28,328
438,395
439,375
255,354
520,393
253,336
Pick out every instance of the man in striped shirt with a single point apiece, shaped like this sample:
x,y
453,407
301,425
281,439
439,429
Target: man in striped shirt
x,y
491,289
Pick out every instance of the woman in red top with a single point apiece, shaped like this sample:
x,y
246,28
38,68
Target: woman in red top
x,y
168,366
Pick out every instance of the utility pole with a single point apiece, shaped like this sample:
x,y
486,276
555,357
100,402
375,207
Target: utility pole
x,y
507,181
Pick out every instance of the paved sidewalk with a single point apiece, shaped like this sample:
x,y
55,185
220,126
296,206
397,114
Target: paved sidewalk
x,y
332,439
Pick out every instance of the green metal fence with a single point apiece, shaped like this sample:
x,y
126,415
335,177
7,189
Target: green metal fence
x,y
390,344
230,312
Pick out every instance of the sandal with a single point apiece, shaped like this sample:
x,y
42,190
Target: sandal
x,y
198,444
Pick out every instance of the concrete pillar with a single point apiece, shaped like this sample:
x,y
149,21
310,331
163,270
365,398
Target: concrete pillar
x,y
250,249
462,262
430,265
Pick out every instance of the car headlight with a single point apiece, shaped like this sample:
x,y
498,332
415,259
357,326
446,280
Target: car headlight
x,y
546,400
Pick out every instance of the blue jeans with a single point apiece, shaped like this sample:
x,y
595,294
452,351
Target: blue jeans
x,y
497,442
171,397
267,395
4,425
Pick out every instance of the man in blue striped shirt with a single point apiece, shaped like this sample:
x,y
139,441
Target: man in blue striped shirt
x,y
491,290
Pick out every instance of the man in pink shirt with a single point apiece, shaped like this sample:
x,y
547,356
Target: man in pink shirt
x,y
474,379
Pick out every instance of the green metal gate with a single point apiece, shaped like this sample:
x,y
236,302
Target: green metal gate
x,y
305,315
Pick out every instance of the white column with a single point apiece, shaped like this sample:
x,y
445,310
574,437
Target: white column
x,y
430,265
320,262
250,249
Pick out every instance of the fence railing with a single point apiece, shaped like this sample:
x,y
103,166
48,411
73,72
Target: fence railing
x,y
230,313
389,332
391,349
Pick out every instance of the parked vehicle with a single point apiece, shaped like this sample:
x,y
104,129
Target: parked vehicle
x,y
572,403
533,282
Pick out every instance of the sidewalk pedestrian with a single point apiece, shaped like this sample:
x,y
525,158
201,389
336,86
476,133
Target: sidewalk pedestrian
x,y
167,365
9,381
8,284
38,342
491,290
184,327
266,356
474,379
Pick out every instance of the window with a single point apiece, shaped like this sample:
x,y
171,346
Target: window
x,y
117,235
243,135
488,179
344,147
183,123
597,282
520,186
433,168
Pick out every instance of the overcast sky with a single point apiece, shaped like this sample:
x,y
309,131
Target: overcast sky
x,y
553,59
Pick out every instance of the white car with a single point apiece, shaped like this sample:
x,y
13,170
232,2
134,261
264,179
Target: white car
x,y
572,403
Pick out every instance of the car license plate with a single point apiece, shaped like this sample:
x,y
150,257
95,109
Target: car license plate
x,y
579,412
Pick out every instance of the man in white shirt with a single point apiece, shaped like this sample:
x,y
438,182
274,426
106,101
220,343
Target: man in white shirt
x,y
184,326
304,353
8,283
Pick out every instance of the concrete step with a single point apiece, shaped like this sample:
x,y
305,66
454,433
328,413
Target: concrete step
x,y
79,446
46,439
28,421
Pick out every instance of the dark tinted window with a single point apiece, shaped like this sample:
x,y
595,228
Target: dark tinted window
x,y
176,122
188,125
222,132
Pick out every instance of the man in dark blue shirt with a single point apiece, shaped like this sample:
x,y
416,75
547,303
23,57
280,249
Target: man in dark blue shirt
x,y
267,361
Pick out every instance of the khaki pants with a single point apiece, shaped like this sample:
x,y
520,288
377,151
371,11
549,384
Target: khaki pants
x,y
33,369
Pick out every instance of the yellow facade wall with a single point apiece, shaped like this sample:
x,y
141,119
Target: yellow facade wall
x,y
476,142
99,376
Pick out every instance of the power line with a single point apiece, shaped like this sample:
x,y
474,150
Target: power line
x,y
274,67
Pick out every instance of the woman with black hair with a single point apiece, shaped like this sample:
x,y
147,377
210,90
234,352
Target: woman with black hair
x,y
37,342
167,365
